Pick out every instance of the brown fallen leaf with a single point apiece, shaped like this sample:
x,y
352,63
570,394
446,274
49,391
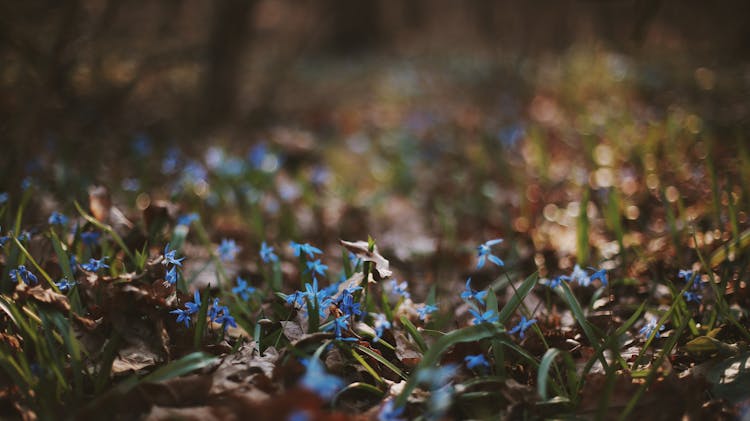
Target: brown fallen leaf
x,y
362,251
406,351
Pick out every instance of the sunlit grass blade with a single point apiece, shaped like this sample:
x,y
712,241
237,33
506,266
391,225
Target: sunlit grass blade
x,y
381,360
367,367
357,386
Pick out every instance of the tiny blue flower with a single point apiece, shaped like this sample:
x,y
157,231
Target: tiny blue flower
x,y
298,297
692,297
489,316
90,238
349,307
305,248
194,306
426,310
225,319
600,274
57,218
521,327
400,288
339,326
267,254
171,276
188,219
243,289
169,257
579,275
24,274
317,267
3,198
554,283
64,285
214,310
485,252
380,324
470,293
182,316
4,240
474,361
688,275
649,328
317,380
228,250
95,265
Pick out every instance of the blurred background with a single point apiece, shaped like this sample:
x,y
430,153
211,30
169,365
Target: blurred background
x,y
428,123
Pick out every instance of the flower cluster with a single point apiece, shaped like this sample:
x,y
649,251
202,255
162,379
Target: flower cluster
x,y
581,276
183,315
23,274
695,278
170,258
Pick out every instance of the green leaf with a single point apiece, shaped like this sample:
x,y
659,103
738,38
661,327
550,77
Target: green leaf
x,y
414,334
565,292
201,322
521,293
184,365
546,364
381,360
467,334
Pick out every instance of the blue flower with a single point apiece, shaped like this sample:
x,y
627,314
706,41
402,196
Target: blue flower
x,y
317,380
317,267
267,254
521,327
95,265
389,412
349,307
228,250
214,310
299,415
485,252
426,310
224,318
600,274
24,274
298,297
4,240
169,257
182,316
188,219
579,275
57,218
3,198
474,361
554,283
319,299
380,324
64,285
489,316
338,326
692,296
90,238
305,248
243,289
649,328
194,306
400,289
73,263
257,155
470,293
171,276
688,275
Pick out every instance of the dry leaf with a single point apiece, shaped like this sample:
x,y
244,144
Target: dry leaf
x,y
362,251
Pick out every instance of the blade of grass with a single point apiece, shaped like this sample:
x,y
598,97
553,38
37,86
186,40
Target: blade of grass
x,y
106,228
379,358
468,334
414,334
